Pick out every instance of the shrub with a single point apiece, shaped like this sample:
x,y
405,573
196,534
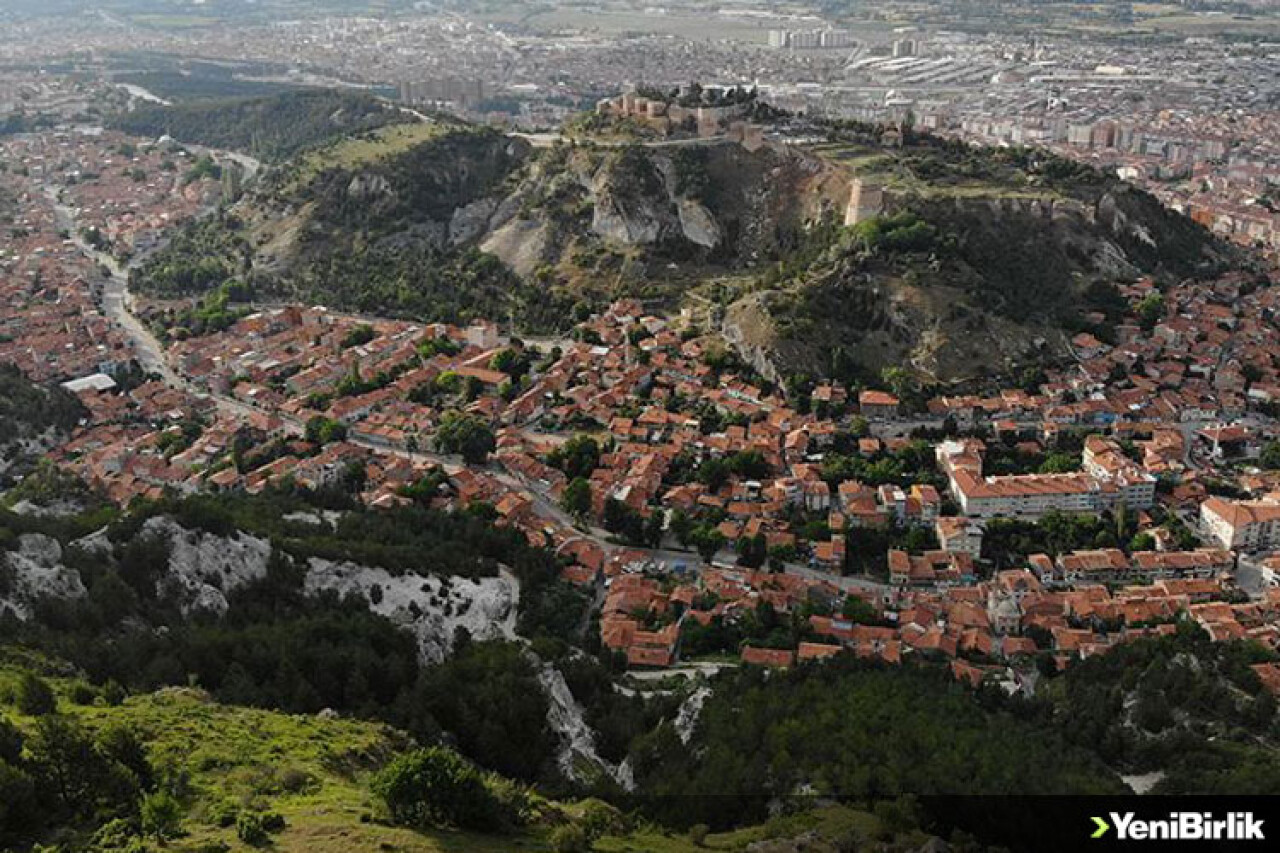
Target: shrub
x,y
35,696
698,834
570,838
295,780
512,801
435,787
255,828
223,814
113,694
82,694
599,819
161,816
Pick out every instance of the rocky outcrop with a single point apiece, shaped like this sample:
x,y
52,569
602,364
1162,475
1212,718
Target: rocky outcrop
x,y
748,328
577,759
697,224
521,244
690,710
204,568
35,571
431,608
470,222
631,222
364,187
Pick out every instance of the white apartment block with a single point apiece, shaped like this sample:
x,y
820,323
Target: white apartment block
x,y
1242,525
1109,479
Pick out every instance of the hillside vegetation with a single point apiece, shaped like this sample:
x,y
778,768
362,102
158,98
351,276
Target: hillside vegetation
x,y
32,418
1186,709
275,127
977,262
369,224
969,246
193,775
108,593
28,409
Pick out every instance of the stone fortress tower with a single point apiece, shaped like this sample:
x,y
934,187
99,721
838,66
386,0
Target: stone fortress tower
x,y
866,199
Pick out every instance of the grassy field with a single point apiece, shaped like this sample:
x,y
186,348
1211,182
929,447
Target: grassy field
x,y
875,164
366,148
313,770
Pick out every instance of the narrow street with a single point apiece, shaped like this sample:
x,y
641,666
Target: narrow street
x,y
151,355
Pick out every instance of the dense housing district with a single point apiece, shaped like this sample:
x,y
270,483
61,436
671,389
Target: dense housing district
x,y
719,518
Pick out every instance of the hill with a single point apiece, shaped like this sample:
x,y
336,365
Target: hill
x,y
367,224
199,776
273,128
959,262
294,603
834,258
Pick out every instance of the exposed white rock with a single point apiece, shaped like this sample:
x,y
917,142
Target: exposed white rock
x,y
366,186
520,244
577,740
470,221
698,224
633,223
35,570
690,710
432,608
1143,783
204,567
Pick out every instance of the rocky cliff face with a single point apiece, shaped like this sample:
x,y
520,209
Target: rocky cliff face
x,y
577,758
202,569
965,285
33,571
431,608
1006,243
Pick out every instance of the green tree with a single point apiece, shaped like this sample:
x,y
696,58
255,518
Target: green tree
x,y
577,457
20,808
713,474
322,430
435,787
161,816
466,435
1059,463
576,499
1270,458
708,540
359,335
1150,310
1142,542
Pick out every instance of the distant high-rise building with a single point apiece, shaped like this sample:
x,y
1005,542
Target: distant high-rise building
x,y
835,38
805,39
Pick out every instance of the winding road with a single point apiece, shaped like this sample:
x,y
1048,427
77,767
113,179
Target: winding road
x,y
150,353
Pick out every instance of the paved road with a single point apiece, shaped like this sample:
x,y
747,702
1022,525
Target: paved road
x,y
115,294
547,140
150,354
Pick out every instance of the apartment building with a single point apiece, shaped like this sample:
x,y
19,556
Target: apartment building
x,y
1242,525
1109,479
